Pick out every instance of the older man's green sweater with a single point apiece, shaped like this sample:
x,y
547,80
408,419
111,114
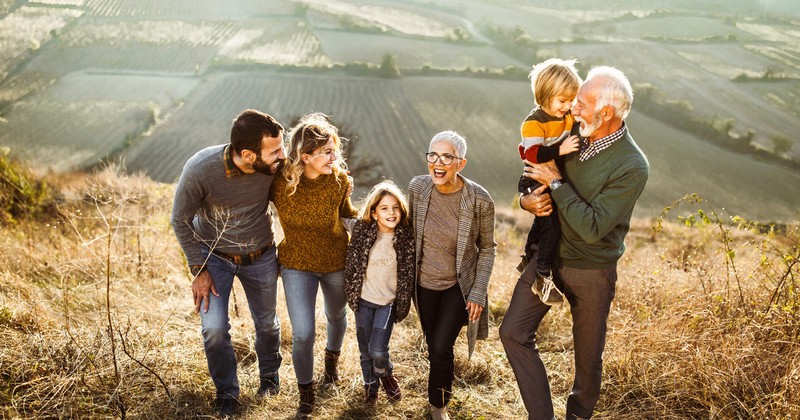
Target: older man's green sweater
x,y
596,201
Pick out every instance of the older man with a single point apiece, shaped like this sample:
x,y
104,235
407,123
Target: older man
x,y
224,226
594,192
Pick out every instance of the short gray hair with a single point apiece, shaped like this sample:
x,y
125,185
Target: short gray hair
x,y
457,140
615,90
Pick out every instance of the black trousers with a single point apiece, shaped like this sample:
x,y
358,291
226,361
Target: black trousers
x,y
442,314
544,232
544,235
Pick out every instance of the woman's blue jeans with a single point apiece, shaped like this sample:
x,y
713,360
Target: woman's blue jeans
x,y
260,283
301,288
374,325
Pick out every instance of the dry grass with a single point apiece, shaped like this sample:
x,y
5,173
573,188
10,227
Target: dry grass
x,y
686,340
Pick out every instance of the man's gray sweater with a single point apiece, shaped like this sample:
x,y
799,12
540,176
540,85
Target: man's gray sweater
x,y
221,207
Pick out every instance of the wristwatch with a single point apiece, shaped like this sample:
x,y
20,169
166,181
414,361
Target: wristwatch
x,y
197,269
555,184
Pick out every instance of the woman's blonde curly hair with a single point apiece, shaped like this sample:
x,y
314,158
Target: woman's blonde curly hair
x,y
309,134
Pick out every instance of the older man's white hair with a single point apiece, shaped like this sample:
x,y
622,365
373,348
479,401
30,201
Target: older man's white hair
x,y
615,90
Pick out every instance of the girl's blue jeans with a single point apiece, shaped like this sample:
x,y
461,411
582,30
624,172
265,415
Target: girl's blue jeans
x,y
373,329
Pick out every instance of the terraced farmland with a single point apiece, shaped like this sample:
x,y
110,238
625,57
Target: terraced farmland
x,y
24,30
385,18
282,42
677,27
378,112
156,81
709,96
395,120
85,117
189,9
345,47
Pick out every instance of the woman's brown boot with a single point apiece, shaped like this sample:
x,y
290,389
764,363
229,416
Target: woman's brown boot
x,y
306,400
331,375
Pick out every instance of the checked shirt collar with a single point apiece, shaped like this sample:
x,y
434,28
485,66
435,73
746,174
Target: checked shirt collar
x,y
230,168
595,147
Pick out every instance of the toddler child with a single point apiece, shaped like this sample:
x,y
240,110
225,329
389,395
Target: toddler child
x,y
546,136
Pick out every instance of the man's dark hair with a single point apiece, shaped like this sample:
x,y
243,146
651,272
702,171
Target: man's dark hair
x,y
250,127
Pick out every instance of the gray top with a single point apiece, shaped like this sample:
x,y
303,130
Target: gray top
x,y
437,270
221,207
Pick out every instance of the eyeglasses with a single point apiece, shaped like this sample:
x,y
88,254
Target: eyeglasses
x,y
446,158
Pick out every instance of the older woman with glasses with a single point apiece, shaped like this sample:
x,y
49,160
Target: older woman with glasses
x,y
453,220
311,196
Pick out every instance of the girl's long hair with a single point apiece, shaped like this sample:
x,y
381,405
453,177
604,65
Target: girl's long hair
x,y
380,190
309,134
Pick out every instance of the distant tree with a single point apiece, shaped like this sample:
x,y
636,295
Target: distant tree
x,y
648,92
781,144
741,77
771,73
460,34
516,42
389,67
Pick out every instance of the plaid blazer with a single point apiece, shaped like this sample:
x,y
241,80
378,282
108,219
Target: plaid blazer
x,y
475,247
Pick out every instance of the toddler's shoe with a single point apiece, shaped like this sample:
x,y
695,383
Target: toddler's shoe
x,y
546,289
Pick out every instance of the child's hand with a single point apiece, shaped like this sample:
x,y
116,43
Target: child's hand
x,y
571,144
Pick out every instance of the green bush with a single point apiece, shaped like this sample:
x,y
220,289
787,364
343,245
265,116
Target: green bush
x,y
389,68
21,194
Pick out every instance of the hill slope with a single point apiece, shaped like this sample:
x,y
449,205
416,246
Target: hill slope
x,y
96,320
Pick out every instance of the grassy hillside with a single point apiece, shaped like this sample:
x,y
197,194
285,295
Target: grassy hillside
x,y
96,321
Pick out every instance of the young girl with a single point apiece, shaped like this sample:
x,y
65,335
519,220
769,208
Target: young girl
x,y
379,283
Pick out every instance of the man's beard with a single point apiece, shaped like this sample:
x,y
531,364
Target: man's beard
x,y
263,167
587,129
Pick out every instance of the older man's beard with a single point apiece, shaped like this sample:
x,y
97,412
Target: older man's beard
x,y
260,166
586,129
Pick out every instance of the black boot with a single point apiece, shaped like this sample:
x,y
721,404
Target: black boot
x,y
269,386
306,400
331,367
370,396
226,407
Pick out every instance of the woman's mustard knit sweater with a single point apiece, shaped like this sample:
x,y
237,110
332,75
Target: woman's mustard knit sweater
x,y
314,238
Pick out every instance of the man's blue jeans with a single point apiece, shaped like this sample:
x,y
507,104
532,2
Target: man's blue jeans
x,y
260,283
374,325
301,288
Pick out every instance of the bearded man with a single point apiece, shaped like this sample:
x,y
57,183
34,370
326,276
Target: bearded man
x,y
224,226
